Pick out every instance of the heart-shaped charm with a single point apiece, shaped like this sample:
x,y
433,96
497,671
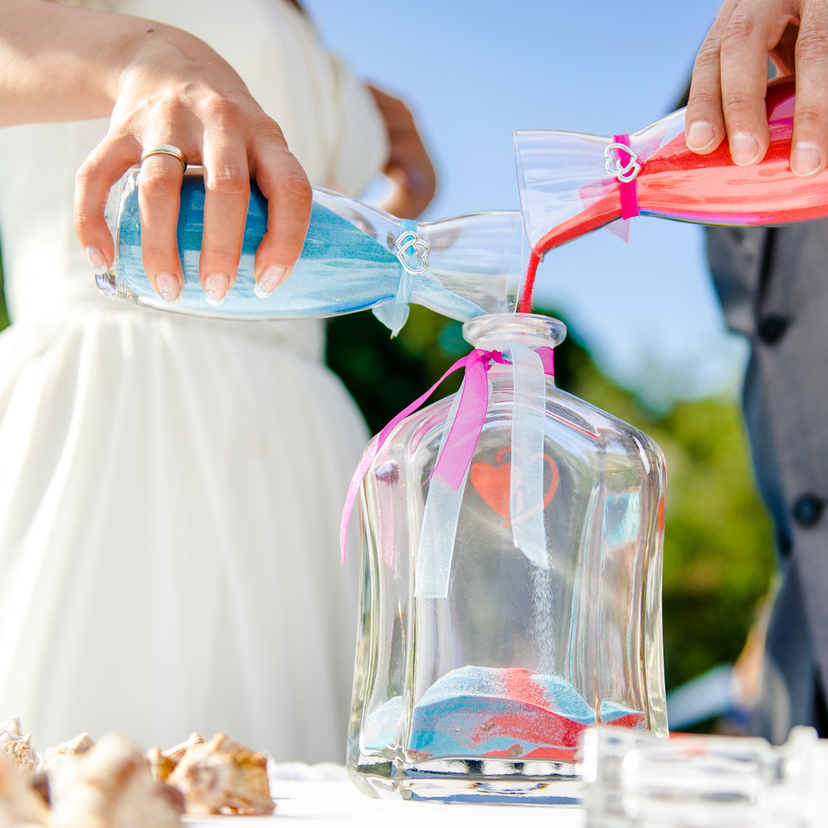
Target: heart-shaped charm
x,y
493,484
412,252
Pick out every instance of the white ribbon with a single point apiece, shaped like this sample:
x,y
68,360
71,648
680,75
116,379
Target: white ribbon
x,y
526,491
526,486
412,253
440,516
395,314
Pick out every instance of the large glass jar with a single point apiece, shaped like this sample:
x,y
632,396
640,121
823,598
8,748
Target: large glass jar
x,y
484,688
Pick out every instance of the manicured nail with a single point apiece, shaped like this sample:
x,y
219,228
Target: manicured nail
x,y
805,159
700,135
744,149
96,259
272,276
216,286
168,286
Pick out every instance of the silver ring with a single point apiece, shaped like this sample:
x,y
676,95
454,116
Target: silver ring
x,y
166,149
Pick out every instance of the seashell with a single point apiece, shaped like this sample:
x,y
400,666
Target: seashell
x,y
18,747
10,730
113,788
60,763
161,766
163,762
223,777
40,785
56,757
175,753
21,752
19,804
173,796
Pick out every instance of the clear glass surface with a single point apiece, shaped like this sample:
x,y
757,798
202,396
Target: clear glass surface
x,y
634,781
461,267
485,693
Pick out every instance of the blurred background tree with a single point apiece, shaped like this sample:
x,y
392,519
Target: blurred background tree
x,y
4,314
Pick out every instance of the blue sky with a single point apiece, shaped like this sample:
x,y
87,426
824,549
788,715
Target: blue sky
x,y
474,71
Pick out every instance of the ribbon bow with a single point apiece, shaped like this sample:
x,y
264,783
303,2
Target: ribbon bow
x,y
460,437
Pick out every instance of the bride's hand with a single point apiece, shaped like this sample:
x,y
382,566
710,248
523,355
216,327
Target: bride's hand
x,y
175,90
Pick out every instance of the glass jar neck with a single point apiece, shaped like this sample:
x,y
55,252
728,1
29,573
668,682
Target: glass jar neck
x,y
491,331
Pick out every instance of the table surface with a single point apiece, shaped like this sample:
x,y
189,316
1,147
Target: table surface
x,y
321,795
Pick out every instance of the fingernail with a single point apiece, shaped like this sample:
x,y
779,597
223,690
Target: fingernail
x,y
168,286
272,276
805,159
216,286
96,259
700,135
744,149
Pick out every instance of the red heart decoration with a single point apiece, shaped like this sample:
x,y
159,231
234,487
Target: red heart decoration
x,y
492,483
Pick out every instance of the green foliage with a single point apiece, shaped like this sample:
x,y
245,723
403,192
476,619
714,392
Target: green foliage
x,y
718,557
384,375
4,314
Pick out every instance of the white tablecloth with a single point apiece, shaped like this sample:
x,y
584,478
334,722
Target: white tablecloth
x,y
322,796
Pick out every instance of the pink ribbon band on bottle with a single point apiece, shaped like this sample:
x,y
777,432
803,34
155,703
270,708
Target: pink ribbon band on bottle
x,y
459,444
629,189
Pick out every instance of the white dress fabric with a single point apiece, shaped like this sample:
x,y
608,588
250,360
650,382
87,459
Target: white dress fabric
x,y
170,487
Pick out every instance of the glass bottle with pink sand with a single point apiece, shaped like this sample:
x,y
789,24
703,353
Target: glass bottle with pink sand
x,y
506,610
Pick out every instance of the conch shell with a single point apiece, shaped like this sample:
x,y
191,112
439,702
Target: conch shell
x,y
19,804
223,777
18,747
60,764
163,762
56,757
113,788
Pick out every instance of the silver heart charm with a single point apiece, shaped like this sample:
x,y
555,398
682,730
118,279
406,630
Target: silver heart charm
x,y
623,172
409,245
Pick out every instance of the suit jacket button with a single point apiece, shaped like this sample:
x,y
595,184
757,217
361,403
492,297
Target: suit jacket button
x,y
772,328
807,510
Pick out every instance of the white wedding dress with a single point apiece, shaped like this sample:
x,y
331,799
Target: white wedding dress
x,y
170,487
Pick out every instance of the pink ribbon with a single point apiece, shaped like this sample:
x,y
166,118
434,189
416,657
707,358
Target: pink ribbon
x,y
459,445
629,189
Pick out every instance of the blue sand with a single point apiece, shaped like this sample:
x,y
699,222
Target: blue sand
x,y
467,711
341,269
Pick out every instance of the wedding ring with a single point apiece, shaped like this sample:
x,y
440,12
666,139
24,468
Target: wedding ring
x,y
166,149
